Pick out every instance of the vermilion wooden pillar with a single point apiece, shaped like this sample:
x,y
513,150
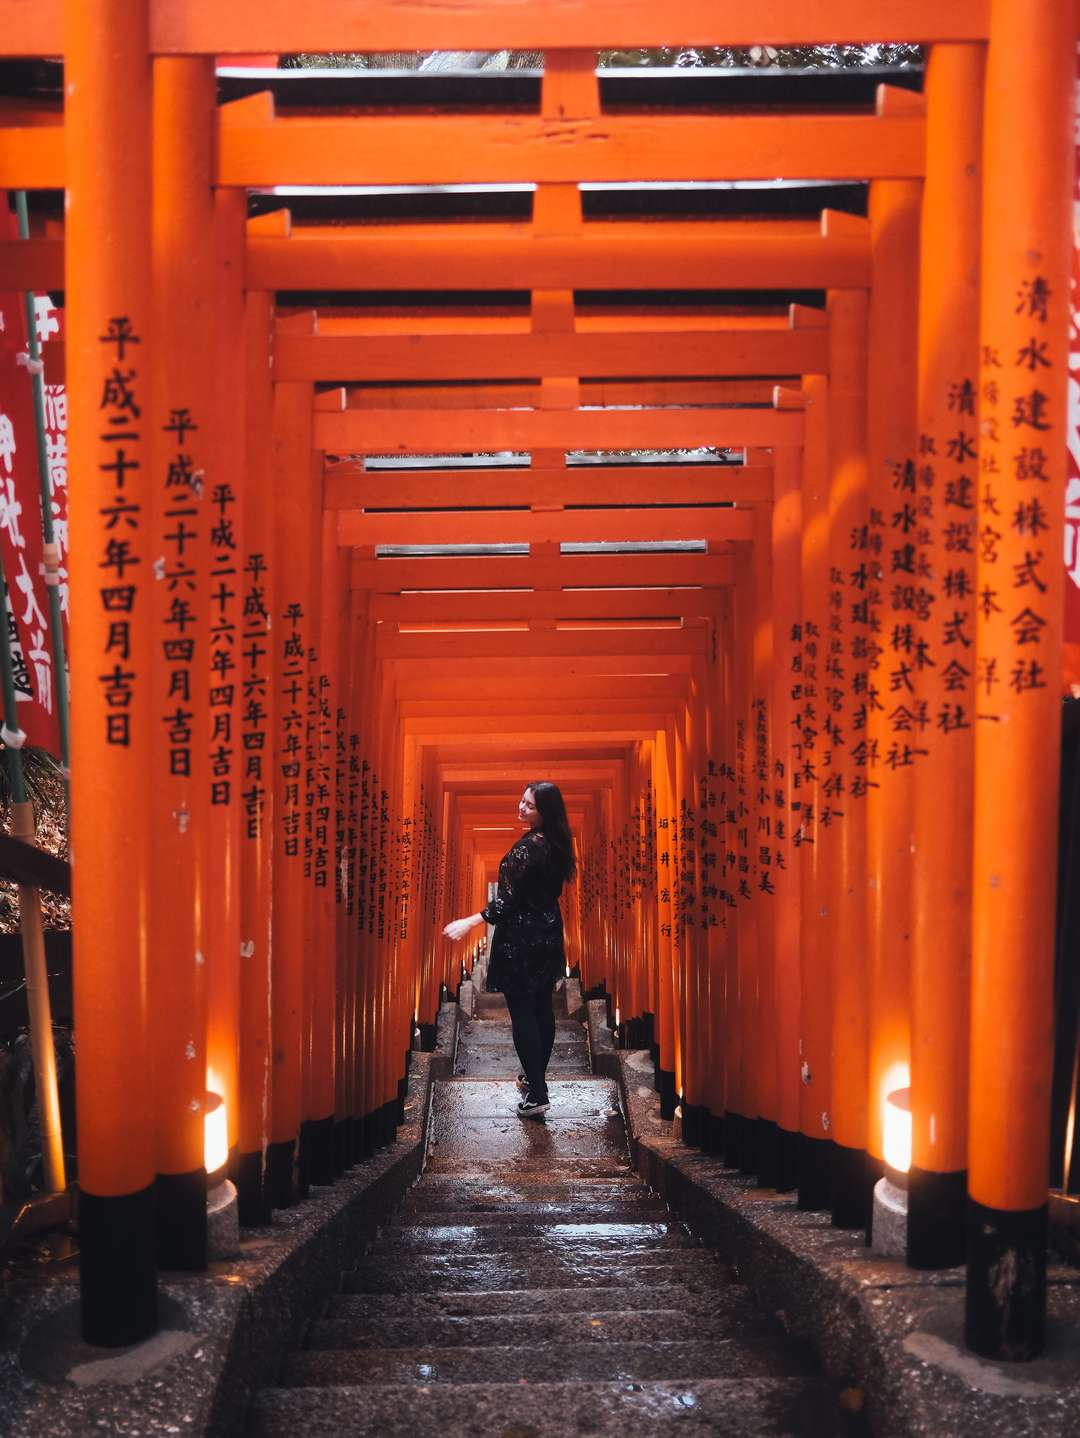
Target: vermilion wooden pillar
x,y
109,328
813,838
740,1120
1023,335
224,496
725,1014
185,471
844,795
257,772
787,648
943,664
666,805
763,853
319,858
889,547
290,640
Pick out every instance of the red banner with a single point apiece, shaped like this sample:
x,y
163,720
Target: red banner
x,y
21,537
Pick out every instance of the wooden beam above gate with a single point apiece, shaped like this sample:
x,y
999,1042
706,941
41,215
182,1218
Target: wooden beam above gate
x,y
688,349
206,27
258,148
624,254
347,485
472,431
661,525
495,572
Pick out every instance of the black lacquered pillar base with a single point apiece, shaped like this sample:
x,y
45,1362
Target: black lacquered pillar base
x,y
280,1177
787,1160
851,1191
343,1137
403,1086
429,1037
668,1095
387,1123
181,1220
936,1219
252,1190
694,1124
734,1139
714,1137
317,1145
1005,1311
117,1267
815,1184
748,1136
765,1142
359,1151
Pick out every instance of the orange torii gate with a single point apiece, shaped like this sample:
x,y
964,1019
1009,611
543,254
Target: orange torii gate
x,y
316,645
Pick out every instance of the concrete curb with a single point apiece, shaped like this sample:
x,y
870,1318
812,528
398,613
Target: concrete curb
x,y
890,1336
223,1333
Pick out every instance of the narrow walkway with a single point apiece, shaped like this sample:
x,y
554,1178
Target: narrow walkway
x,y
533,1287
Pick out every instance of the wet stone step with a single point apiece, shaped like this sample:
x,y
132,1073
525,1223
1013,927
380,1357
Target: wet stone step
x,y
552,1256
575,1238
491,1031
645,1272
514,1141
383,1307
439,1192
751,1408
506,1066
732,1310
645,1362
481,1097
546,1212
453,1163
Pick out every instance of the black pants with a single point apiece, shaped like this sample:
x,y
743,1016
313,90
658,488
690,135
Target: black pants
x,y
532,1021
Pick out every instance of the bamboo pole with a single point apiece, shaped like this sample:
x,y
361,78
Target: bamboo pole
x,y
1023,337
108,295
948,479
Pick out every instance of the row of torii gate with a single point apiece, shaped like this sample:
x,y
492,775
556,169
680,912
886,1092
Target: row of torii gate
x,y
805,709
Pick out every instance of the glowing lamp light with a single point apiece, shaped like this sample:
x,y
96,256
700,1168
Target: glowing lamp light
x,y
897,1132
216,1139
616,1018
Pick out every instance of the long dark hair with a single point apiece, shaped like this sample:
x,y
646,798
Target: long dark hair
x,y
555,826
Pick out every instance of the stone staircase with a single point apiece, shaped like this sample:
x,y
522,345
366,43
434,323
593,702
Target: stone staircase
x,y
532,1287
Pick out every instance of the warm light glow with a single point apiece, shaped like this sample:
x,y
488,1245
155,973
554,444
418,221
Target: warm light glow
x,y
216,1136
616,1018
897,1135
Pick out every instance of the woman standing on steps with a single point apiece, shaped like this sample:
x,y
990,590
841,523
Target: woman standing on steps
x,y
527,955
